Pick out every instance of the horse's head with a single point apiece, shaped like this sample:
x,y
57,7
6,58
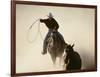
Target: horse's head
x,y
69,48
50,40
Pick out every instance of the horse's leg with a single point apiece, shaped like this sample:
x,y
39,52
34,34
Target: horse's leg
x,y
63,62
53,57
61,56
60,60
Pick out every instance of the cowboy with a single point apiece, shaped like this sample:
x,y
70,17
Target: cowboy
x,y
52,25
50,22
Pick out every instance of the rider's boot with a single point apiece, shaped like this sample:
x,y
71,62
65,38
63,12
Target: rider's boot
x,y
44,51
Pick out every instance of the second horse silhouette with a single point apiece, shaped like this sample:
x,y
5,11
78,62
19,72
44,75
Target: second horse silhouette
x,y
73,59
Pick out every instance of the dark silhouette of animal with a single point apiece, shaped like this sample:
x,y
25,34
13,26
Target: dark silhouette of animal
x,y
54,42
73,59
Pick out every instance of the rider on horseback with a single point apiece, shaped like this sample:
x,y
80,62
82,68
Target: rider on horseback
x,y
53,26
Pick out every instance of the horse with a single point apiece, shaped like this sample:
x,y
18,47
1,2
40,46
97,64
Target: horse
x,y
55,47
73,60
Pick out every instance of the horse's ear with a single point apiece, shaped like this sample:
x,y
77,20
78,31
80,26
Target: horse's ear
x,y
72,46
66,44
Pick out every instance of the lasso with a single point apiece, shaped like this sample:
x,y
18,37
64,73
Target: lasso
x,y
38,32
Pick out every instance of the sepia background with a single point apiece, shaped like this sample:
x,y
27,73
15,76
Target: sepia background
x,y
76,26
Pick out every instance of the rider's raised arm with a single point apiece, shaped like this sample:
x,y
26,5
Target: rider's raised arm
x,y
43,20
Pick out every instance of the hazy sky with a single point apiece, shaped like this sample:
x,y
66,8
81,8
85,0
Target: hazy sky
x,y
76,25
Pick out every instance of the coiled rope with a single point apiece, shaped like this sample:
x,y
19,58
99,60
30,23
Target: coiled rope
x,y
38,31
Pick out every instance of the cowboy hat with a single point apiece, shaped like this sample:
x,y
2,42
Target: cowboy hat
x,y
50,15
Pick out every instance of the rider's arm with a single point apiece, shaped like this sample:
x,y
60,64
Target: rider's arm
x,y
43,20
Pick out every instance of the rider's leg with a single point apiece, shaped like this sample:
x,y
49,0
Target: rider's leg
x,y
45,43
45,46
